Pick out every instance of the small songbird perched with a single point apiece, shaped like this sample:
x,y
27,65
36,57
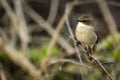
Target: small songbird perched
x,y
85,34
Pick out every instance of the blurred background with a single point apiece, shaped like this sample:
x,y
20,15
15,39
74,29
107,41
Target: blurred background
x,y
37,44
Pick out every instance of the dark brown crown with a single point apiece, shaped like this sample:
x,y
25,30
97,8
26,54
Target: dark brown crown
x,y
86,19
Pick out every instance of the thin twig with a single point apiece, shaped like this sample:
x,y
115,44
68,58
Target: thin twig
x,y
105,64
112,3
69,8
17,57
102,67
51,46
2,73
45,25
17,19
106,12
54,61
20,60
22,25
108,16
53,11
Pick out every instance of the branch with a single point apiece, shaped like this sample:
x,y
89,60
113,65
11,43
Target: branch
x,y
17,57
2,73
17,20
51,45
42,23
54,61
102,67
105,64
108,16
20,60
68,9
21,25
53,11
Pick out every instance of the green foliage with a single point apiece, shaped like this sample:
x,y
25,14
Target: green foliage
x,y
111,45
109,42
116,53
65,76
70,71
95,75
4,57
37,54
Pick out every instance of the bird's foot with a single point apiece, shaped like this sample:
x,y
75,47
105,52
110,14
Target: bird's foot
x,y
77,43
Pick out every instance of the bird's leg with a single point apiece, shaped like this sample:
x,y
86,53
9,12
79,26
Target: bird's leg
x,y
77,43
89,52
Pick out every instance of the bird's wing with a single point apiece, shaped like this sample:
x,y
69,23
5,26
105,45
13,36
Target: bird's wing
x,y
97,37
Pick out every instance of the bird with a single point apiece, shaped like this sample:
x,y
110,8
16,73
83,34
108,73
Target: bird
x,y
85,34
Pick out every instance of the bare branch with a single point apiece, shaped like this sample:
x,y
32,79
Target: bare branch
x,y
2,73
17,57
102,66
51,45
42,23
22,26
18,21
53,11
105,64
21,60
69,8
54,61
108,16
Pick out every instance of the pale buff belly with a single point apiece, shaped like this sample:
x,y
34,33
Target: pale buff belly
x,y
86,37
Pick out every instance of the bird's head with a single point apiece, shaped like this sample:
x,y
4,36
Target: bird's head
x,y
85,19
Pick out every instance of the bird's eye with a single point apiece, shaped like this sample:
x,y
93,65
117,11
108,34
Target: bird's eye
x,y
85,21
82,20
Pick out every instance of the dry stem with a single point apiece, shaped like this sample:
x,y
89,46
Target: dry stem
x,y
69,8
102,67
53,11
2,73
17,21
108,16
42,23
51,45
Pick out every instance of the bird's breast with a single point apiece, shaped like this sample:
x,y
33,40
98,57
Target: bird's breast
x,y
86,35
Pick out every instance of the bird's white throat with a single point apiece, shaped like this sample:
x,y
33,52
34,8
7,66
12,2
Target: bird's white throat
x,y
80,24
